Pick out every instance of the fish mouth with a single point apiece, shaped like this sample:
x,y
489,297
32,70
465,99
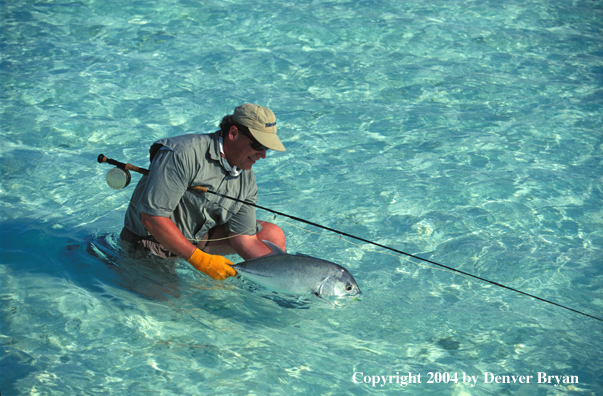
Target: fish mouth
x,y
355,291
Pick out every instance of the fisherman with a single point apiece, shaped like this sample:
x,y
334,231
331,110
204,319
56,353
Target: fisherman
x,y
169,220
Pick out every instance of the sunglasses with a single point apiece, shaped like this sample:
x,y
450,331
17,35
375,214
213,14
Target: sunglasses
x,y
257,146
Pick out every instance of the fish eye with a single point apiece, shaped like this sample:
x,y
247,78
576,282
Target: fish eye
x,y
348,287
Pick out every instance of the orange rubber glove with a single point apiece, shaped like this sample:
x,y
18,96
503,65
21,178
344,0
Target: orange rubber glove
x,y
217,267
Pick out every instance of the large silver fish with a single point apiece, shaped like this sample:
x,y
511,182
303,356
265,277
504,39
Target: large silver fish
x,y
298,274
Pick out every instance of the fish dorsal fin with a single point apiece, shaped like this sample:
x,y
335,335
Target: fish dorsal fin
x,y
274,250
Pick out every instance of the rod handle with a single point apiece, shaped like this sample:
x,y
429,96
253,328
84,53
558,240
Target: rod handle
x,y
198,188
101,159
137,169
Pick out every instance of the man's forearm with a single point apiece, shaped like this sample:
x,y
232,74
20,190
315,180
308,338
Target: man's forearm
x,y
168,235
165,231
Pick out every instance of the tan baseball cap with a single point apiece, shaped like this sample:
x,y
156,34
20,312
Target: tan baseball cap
x,y
261,123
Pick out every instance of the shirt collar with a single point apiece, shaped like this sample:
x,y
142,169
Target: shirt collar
x,y
214,147
233,170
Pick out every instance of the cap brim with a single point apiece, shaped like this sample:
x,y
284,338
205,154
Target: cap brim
x,y
269,140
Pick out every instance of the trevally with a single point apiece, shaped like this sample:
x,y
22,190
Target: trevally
x,y
298,274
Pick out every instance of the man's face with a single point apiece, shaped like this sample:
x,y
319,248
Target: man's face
x,y
239,151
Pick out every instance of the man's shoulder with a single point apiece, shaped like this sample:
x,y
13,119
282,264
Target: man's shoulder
x,y
187,142
191,145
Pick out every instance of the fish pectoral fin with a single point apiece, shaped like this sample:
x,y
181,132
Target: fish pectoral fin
x,y
274,250
319,292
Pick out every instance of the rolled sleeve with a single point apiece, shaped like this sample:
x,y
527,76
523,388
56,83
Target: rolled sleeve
x,y
244,221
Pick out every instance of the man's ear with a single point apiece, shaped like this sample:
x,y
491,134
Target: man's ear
x,y
232,132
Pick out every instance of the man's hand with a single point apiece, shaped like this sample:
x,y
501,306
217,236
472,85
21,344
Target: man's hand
x,y
217,267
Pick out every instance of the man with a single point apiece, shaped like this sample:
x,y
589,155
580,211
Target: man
x,y
168,219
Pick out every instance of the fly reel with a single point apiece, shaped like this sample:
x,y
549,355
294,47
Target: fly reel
x,y
118,178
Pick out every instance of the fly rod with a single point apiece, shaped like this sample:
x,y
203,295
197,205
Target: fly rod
x,y
126,167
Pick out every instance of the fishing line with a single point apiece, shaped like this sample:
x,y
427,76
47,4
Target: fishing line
x,y
365,248
126,167
413,256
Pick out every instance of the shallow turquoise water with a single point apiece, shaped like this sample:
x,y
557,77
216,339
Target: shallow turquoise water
x,y
467,133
